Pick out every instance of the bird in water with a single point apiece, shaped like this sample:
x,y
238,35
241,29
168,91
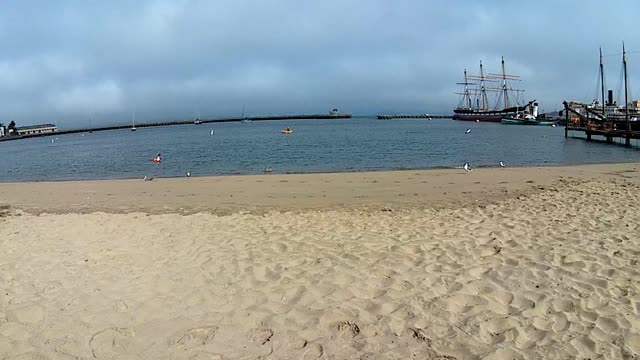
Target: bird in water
x,y
212,132
466,167
468,131
501,164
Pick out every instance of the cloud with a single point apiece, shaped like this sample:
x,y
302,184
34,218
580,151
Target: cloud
x,y
165,58
105,96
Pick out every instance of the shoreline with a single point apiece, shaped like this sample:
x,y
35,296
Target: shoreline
x,y
321,172
228,194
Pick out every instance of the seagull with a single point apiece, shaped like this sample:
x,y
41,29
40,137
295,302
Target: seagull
x,y
468,131
268,170
148,178
501,164
467,167
188,174
211,132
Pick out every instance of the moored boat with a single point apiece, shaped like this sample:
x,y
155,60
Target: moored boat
x,y
475,104
515,121
528,117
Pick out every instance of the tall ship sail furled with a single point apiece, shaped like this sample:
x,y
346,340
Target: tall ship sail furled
x,y
477,105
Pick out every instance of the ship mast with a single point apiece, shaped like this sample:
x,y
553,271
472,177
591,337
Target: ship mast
x,y
504,86
466,90
483,91
626,87
602,83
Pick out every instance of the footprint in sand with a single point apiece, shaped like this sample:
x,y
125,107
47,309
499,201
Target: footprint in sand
x,y
260,335
315,351
109,343
347,329
194,337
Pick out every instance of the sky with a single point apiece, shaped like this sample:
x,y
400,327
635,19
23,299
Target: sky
x,y
69,61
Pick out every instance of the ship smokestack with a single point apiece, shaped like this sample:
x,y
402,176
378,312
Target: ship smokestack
x,y
610,98
535,110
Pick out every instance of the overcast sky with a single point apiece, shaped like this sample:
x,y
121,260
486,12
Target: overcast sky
x,y
61,61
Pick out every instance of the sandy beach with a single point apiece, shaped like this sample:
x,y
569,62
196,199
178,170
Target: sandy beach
x,y
513,263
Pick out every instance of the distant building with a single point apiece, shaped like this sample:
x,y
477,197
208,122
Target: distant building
x,y
3,130
35,129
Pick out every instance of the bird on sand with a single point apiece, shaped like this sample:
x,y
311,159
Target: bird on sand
x,y
466,167
501,164
267,170
188,174
148,178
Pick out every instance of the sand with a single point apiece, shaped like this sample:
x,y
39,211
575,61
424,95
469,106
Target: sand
x,y
533,263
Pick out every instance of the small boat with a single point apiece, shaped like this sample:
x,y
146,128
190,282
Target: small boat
x,y
243,118
527,118
197,122
286,131
534,121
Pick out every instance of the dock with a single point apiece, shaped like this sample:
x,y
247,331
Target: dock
x,y
592,126
411,116
331,116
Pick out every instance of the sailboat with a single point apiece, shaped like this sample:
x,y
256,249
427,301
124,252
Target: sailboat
x,y
475,106
133,121
243,117
197,120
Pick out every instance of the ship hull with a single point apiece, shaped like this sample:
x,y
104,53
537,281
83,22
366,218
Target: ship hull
x,y
511,121
485,115
481,116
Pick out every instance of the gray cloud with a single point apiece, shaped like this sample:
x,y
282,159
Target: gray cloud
x,y
63,61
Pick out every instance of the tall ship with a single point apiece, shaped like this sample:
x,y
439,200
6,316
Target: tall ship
x,y
490,97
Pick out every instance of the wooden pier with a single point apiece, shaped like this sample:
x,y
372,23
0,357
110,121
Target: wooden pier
x,y
411,116
188,122
580,118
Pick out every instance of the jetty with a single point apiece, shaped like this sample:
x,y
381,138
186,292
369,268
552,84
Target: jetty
x,y
411,116
605,119
581,119
330,116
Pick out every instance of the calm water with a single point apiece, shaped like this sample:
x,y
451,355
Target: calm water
x,y
316,146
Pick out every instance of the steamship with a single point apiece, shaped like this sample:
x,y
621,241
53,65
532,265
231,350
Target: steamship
x,y
475,102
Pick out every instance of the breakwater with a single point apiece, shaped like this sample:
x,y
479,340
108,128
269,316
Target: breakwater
x,y
187,122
